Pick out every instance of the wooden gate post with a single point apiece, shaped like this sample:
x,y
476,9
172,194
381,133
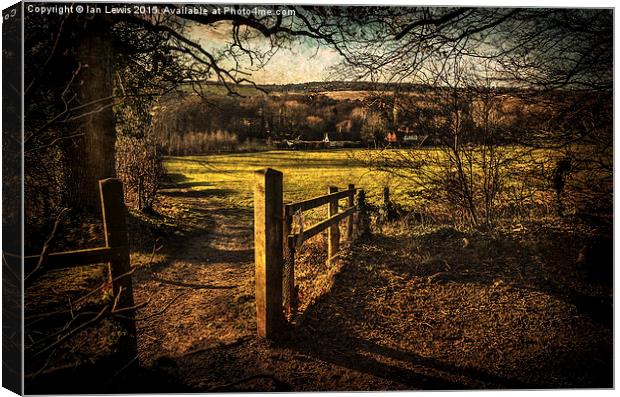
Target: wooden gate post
x,y
351,221
363,223
289,294
115,232
386,197
333,233
268,251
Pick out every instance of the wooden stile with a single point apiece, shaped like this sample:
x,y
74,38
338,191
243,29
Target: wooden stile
x,y
116,254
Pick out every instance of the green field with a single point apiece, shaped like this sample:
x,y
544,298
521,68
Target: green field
x,y
226,181
306,174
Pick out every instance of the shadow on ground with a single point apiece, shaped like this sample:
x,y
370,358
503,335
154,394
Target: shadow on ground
x,y
420,309
504,311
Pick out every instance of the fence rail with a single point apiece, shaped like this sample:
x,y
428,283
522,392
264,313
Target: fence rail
x,y
275,243
59,260
317,201
115,253
321,226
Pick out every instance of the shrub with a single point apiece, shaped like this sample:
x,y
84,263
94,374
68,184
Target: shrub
x,y
200,143
139,164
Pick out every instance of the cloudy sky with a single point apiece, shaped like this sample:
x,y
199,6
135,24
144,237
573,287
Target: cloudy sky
x,y
302,62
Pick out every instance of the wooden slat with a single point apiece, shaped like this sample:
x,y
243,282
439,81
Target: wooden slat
x,y
319,227
60,260
316,201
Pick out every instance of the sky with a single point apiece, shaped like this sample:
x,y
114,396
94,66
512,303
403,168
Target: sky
x,y
302,62
305,60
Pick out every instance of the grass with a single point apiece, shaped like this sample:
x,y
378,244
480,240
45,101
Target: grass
x,y
413,307
417,306
229,178
226,180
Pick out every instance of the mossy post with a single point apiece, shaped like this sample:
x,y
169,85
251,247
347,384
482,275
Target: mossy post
x,y
115,232
333,233
268,251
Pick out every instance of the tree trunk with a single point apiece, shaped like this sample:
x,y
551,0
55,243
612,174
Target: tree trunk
x,y
91,156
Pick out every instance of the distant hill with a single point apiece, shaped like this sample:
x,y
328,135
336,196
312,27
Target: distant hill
x,y
344,87
314,86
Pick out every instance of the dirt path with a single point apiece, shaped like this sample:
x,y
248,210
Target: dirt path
x,y
407,312
201,294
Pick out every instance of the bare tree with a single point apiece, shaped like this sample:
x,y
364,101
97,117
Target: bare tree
x,y
540,70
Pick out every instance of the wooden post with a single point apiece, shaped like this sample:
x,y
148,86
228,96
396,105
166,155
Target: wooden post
x,y
115,230
268,251
333,233
363,223
288,292
386,197
350,203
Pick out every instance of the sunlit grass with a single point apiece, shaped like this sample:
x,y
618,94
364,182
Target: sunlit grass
x,y
306,174
227,180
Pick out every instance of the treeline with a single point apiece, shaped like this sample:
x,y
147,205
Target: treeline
x,y
191,124
201,142
185,122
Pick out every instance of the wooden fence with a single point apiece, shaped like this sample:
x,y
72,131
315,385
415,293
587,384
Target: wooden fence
x,y
275,244
115,253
